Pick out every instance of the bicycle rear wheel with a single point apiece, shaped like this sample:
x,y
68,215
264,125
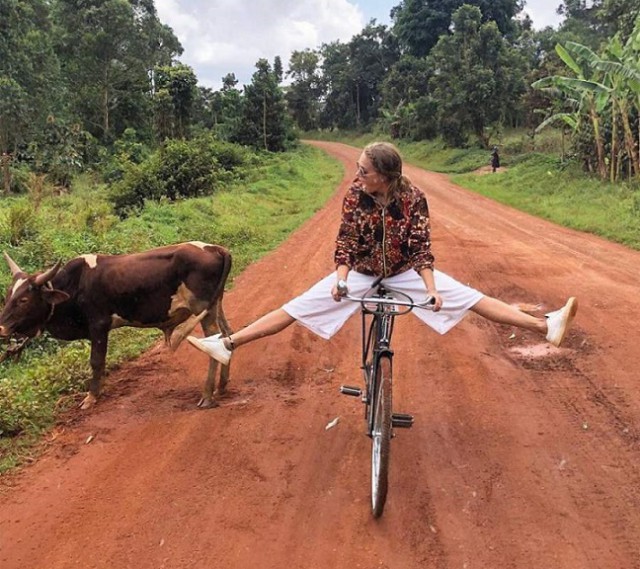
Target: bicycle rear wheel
x,y
381,438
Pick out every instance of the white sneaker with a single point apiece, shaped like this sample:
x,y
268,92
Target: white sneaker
x,y
213,346
558,321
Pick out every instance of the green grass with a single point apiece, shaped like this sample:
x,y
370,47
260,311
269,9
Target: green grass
x,y
543,186
250,219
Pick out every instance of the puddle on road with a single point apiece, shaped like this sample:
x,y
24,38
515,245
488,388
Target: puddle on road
x,y
535,351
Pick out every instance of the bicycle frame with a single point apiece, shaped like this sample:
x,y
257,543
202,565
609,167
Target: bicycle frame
x,y
376,344
377,366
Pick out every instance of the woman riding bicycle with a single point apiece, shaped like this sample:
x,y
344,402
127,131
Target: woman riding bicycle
x,y
385,230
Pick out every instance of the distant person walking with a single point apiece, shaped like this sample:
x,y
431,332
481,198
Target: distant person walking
x,y
495,159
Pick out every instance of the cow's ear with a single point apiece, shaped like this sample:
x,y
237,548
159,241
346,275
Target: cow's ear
x,y
53,296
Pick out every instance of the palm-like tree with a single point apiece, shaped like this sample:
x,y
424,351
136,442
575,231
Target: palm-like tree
x,y
622,69
603,87
584,88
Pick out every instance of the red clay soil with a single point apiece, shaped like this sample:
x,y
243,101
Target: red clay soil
x,y
522,455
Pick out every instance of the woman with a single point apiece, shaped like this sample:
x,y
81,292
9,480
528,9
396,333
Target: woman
x,y
385,230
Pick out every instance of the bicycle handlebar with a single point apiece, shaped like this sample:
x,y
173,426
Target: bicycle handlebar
x,y
427,304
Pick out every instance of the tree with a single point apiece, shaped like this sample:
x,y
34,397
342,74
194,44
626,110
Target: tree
x,y
203,107
621,66
277,69
264,123
419,24
477,77
581,23
179,82
338,109
109,49
227,108
619,16
354,73
304,94
585,88
408,108
30,85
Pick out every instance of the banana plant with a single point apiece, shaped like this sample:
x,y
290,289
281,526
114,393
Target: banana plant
x,y
623,74
592,96
606,86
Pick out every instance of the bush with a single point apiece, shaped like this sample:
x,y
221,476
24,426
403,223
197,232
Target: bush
x,y
181,169
139,183
20,222
127,151
230,156
20,177
187,169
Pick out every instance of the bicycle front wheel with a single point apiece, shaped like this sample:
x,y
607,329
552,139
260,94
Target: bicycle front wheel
x,y
381,438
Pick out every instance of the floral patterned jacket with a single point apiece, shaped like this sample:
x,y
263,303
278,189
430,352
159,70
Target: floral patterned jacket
x,y
376,240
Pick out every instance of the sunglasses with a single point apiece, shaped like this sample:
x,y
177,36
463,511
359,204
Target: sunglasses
x,y
360,171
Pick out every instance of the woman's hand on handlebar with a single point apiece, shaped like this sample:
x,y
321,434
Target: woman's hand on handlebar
x,y
437,300
339,290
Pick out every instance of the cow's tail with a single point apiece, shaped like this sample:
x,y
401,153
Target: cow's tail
x,y
226,269
220,317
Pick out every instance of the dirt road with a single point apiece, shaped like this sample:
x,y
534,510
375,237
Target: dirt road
x,y
522,455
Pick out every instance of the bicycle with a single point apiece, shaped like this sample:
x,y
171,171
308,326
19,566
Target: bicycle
x,y
377,356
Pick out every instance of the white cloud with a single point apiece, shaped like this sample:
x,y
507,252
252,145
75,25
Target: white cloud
x,y
543,13
229,36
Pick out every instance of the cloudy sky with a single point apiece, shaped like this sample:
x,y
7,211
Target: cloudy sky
x,y
229,36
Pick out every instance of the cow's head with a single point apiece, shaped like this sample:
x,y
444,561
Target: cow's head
x,y
30,301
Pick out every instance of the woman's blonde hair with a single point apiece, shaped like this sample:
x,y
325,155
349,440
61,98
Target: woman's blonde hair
x,y
387,161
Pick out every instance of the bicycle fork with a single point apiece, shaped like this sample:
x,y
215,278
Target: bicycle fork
x,y
381,350
398,420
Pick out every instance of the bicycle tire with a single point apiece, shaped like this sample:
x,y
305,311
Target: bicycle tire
x,y
381,438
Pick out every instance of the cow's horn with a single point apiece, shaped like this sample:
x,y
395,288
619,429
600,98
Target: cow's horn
x,y
47,275
12,265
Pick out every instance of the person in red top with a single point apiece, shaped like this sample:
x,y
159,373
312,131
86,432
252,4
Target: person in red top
x,y
385,231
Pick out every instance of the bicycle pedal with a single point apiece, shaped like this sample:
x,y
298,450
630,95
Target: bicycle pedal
x,y
402,420
348,390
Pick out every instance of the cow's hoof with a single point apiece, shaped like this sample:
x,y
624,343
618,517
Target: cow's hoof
x,y
88,402
207,403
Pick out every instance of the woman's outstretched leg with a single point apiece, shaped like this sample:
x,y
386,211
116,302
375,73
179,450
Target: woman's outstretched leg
x,y
220,348
553,325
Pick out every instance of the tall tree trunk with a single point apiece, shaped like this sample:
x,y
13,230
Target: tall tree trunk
x,y
5,160
638,115
264,120
614,137
595,121
105,104
634,157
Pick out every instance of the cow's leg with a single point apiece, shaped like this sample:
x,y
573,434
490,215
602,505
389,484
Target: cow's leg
x,y
209,327
212,324
98,357
224,327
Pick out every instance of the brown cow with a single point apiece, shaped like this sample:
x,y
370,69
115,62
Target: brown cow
x,y
171,288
